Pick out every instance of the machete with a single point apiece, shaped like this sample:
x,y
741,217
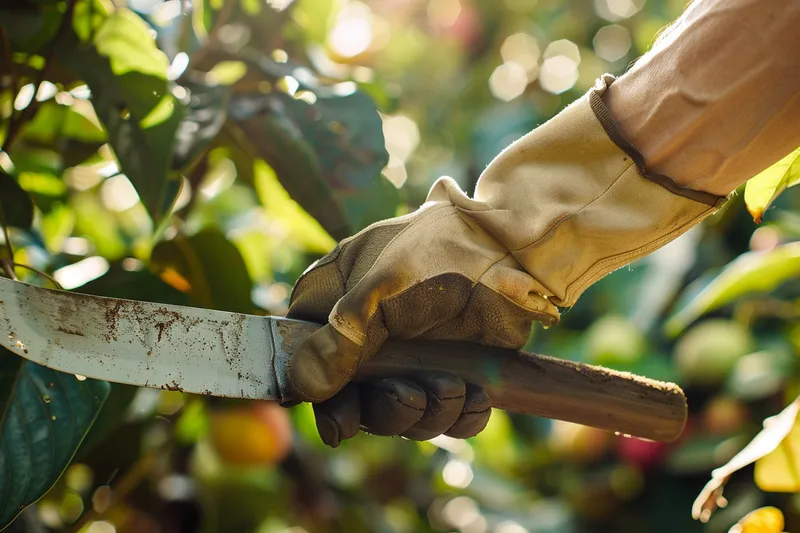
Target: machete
x,y
235,355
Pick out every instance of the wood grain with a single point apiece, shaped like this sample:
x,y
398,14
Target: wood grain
x,y
527,383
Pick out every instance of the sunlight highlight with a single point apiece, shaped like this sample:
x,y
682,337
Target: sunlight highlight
x,y
352,33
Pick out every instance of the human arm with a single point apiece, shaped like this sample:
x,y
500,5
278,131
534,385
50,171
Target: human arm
x,y
717,99
557,210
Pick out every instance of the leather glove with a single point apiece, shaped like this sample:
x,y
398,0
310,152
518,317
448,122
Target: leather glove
x,y
553,213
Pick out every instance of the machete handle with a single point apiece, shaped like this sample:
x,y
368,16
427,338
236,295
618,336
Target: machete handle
x,y
532,384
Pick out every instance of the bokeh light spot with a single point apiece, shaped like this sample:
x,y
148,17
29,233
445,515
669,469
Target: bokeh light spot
x,y
444,13
509,526
118,194
612,42
457,474
352,33
614,10
461,511
523,49
402,136
558,74
508,81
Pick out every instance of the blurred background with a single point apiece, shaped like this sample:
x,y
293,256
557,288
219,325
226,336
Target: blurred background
x,y
279,128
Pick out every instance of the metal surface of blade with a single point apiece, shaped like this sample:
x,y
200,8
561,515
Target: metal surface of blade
x,y
147,344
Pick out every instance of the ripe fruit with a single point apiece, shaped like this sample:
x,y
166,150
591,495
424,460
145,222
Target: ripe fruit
x,y
255,434
577,443
613,341
707,353
724,415
763,520
642,453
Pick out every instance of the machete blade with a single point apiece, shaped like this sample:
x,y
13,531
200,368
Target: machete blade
x,y
148,344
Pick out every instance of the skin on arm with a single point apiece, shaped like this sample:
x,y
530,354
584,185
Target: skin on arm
x,y
717,99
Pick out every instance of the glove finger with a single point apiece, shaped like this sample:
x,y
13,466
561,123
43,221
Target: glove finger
x,y
474,416
445,395
322,364
339,418
391,406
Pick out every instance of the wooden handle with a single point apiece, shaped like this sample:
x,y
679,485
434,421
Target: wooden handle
x,y
533,384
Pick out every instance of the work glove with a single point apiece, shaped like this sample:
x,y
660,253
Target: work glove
x,y
557,210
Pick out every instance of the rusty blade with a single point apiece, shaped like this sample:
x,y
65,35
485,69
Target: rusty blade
x,y
148,344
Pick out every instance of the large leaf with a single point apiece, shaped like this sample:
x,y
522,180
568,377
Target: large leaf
x,y
29,26
751,272
53,121
324,153
206,112
207,266
301,228
16,204
779,470
762,189
777,428
126,73
45,416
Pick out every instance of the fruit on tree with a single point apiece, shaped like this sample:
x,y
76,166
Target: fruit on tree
x,y
642,453
613,341
254,434
707,353
762,520
577,443
724,415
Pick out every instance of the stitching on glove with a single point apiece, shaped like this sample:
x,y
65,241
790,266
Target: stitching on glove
x,y
340,324
589,277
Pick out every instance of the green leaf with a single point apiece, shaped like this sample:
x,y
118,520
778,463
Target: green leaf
x,y
17,205
30,27
125,40
763,188
300,226
45,416
749,273
89,16
227,72
132,99
54,121
140,285
211,266
56,226
206,113
109,418
325,154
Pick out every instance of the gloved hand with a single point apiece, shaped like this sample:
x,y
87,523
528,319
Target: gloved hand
x,y
432,274
553,213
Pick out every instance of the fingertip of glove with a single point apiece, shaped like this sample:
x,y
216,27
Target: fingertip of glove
x,y
328,430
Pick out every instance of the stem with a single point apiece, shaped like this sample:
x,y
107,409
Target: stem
x,y
211,40
15,125
6,43
43,274
9,248
8,268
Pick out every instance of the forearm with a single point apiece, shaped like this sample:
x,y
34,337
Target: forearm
x,y
717,100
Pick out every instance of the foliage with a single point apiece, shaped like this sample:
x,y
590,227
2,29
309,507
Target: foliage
x,y
206,152
761,190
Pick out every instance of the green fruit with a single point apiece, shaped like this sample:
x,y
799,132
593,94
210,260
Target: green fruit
x,y
613,341
707,353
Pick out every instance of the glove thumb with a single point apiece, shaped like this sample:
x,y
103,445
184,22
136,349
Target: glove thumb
x,y
323,364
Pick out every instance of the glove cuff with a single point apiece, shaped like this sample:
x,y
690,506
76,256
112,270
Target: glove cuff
x,y
573,201
614,133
